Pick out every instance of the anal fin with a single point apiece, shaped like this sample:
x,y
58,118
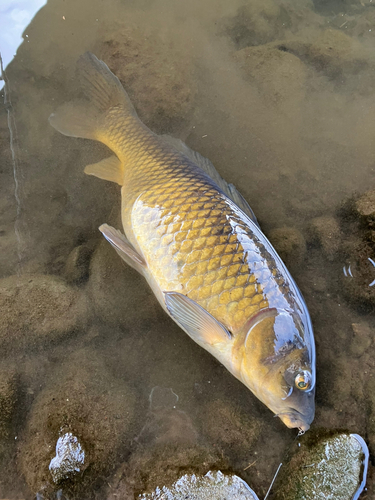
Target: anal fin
x,y
109,169
122,246
200,325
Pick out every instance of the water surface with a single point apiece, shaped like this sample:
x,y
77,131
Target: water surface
x,y
280,96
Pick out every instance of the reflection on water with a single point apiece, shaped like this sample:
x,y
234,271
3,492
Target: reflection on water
x,y
280,96
14,17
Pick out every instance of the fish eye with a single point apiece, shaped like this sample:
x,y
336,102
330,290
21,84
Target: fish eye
x,y
303,380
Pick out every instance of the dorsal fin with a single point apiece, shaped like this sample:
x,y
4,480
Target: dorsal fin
x,y
205,164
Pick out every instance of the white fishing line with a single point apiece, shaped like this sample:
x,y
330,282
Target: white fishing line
x,y
273,480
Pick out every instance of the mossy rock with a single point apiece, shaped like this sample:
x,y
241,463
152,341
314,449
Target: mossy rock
x,y
333,468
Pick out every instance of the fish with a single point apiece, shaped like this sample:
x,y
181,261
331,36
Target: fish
x,y
197,242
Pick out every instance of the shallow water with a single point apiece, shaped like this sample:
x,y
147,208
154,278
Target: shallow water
x,y
280,97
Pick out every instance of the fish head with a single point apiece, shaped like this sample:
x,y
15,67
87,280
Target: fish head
x,y
278,365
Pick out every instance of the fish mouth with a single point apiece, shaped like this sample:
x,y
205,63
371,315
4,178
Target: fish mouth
x,y
295,419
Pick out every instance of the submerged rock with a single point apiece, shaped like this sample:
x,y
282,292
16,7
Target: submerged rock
x,y
167,445
69,458
289,244
261,21
91,410
163,463
116,290
363,338
365,206
157,76
77,265
37,309
8,399
280,76
212,486
326,231
331,52
333,469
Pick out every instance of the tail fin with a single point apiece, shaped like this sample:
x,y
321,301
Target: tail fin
x,y
103,91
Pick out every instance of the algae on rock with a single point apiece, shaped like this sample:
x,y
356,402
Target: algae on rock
x,y
212,486
69,458
333,469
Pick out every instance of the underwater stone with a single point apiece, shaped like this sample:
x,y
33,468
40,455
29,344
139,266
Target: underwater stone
x,y
365,205
332,52
279,76
69,457
326,231
8,399
362,339
158,79
167,445
109,285
212,486
164,462
81,397
261,21
77,265
333,469
289,244
38,309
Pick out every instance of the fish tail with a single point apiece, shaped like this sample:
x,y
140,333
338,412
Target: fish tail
x,y
103,91
91,118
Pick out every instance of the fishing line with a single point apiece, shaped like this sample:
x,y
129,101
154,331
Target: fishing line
x,y
285,454
273,480
13,144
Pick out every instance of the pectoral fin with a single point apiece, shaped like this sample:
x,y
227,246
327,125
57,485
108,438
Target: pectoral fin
x,y
122,246
196,321
109,169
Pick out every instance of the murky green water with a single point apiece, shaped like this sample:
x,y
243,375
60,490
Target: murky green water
x,y
280,96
